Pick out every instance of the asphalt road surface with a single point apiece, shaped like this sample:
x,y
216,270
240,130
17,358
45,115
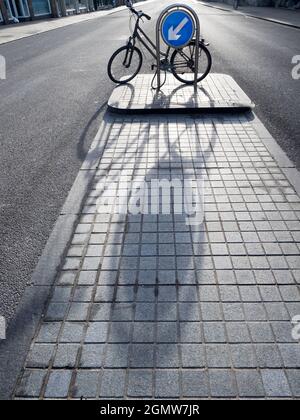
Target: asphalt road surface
x,y
55,95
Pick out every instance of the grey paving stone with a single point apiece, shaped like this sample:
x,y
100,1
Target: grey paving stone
x,y
166,263
61,294
229,294
146,294
96,332
48,332
190,332
195,383
243,356
294,380
167,294
290,293
167,332
283,277
290,354
277,312
148,238
282,332
109,263
113,383
116,356
255,312
125,294
233,312
129,263
83,294
142,356
185,277
226,277
250,294
40,356
87,278
264,277
204,263
56,312
268,356
72,263
167,311
222,383
182,237
244,277
189,312
140,383
66,355
145,311
78,312
214,332
86,384
165,250
147,277
270,294
104,294
185,263
149,250
127,277
130,250
167,384
222,263
119,332
67,278
209,294
101,311
218,356
293,309
31,383
148,263
143,332
211,311
91,263
58,384
206,277
261,332
250,384
108,277
275,383
96,238
167,356
193,356
92,356
238,332
95,250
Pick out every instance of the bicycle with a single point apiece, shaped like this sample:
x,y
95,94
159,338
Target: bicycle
x,y
129,58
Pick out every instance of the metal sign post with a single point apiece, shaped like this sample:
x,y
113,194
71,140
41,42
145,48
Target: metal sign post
x,y
177,25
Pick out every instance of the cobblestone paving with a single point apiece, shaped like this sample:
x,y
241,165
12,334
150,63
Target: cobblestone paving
x,y
148,306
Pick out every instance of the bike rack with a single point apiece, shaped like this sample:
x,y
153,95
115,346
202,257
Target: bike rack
x,y
158,37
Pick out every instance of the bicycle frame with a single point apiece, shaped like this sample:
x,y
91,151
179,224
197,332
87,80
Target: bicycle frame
x,y
139,34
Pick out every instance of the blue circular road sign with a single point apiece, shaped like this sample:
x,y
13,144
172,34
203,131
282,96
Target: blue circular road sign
x,y
178,29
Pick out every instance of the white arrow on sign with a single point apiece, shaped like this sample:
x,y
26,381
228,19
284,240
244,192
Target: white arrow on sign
x,y
173,33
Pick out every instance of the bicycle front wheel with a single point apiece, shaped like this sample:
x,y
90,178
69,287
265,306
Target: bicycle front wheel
x,y
183,63
125,64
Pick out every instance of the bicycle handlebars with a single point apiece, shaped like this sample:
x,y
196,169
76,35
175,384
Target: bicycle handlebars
x,y
135,12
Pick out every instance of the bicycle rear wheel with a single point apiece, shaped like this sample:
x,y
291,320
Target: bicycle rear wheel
x,y
183,63
125,64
